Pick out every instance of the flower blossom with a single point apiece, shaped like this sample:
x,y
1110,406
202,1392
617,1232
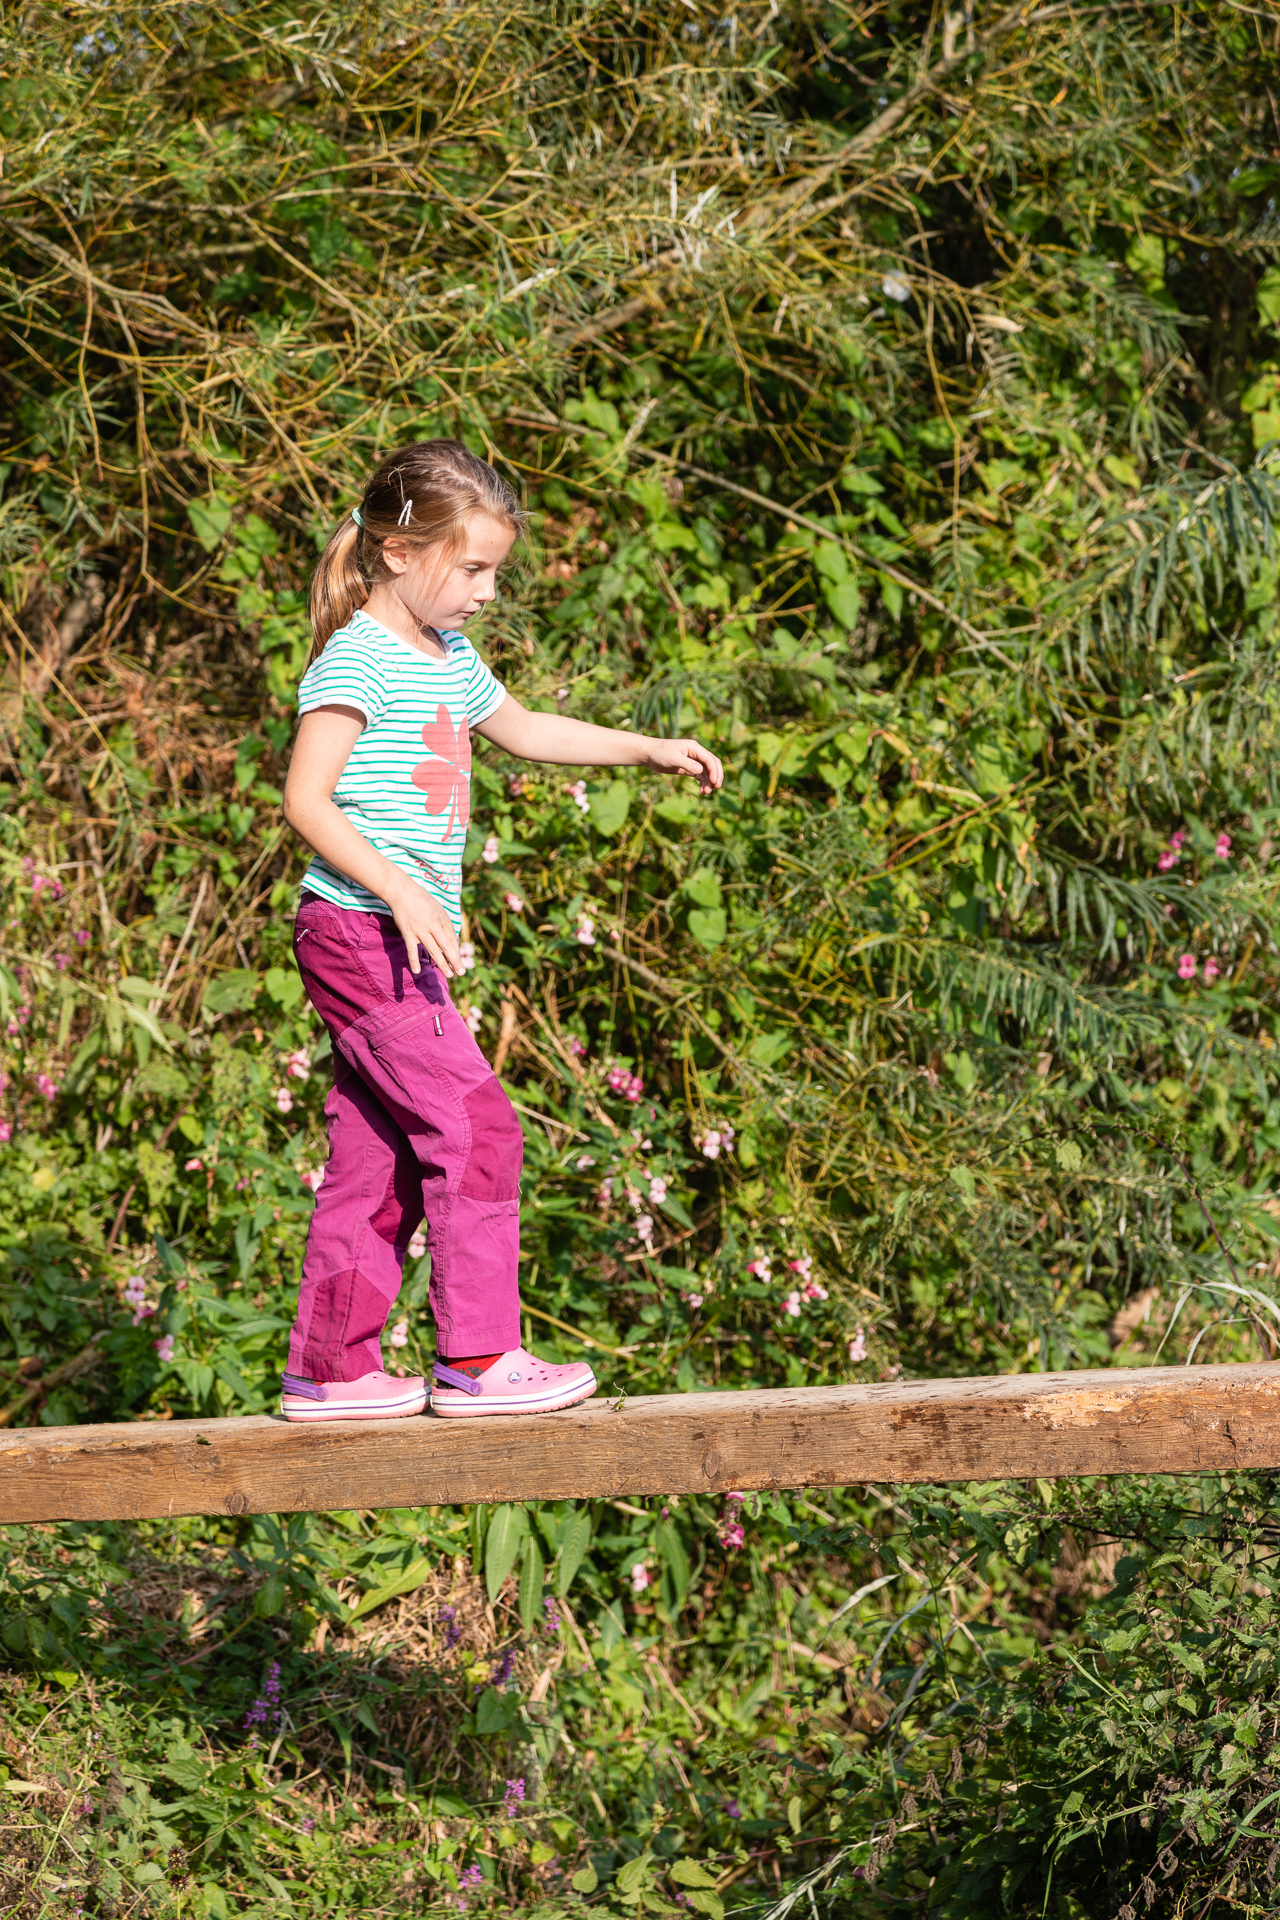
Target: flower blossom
x,y
164,1348
791,1305
1187,967
135,1290
605,1196
657,1190
576,1047
693,1299
516,785
41,882
858,1346
583,1161
284,1100
399,1335
803,1266
313,1178
62,961
489,851
193,1166
640,1577
513,1797
298,1065
586,935
467,954
475,1018
81,936
47,1086
6,1133
1222,846
761,1266
644,1230
1211,968
623,1081
578,794
417,1245
514,902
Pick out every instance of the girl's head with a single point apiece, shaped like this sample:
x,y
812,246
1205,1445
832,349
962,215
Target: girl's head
x,y
434,524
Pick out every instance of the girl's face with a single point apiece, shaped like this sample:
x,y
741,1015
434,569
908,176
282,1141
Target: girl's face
x,y
449,598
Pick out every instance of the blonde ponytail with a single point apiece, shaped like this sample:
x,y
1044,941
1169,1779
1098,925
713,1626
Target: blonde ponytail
x,y
423,496
338,585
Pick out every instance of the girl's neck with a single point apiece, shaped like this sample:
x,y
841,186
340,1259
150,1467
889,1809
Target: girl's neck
x,y
389,610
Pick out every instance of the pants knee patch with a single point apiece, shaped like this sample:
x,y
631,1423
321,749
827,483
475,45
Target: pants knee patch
x,y
400,1209
493,1166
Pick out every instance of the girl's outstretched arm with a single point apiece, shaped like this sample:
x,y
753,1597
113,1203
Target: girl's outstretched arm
x,y
562,742
326,736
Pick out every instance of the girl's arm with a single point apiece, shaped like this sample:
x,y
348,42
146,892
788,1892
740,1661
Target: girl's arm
x,y
562,742
321,751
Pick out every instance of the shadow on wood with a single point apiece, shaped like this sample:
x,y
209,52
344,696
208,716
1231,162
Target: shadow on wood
x,y
1012,1427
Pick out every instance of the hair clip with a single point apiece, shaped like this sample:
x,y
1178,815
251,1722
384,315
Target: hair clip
x,y
358,517
406,514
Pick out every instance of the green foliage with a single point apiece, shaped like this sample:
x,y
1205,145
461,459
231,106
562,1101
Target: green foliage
x,y
923,466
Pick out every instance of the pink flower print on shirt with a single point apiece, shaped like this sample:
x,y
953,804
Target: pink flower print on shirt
x,y
446,778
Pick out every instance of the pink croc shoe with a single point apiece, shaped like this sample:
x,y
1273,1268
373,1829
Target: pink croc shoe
x,y
516,1383
376,1397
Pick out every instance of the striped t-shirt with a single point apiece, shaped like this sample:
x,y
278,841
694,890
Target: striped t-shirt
x,y
407,785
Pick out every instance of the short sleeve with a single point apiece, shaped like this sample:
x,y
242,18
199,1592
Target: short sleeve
x,y
349,673
484,694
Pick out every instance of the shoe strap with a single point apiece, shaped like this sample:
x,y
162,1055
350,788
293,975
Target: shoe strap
x,y
301,1389
443,1376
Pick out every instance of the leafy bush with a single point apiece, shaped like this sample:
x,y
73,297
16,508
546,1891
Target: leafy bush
x,y
895,399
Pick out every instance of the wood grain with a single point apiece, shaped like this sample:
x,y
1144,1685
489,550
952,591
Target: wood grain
x,y
1048,1425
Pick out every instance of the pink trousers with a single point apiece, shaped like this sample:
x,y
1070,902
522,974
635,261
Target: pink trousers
x,y
419,1129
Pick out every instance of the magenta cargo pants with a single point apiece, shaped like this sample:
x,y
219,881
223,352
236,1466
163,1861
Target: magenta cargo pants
x,y
419,1129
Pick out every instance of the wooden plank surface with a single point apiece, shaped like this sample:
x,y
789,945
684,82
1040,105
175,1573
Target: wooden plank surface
x,y
1019,1426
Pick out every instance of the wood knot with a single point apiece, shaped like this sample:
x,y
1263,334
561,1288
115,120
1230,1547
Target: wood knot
x,y
711,1463
237,1502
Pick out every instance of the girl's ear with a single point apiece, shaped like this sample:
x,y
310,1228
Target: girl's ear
x,y
394,555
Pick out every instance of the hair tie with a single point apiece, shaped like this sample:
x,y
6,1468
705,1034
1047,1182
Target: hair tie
x,y
358,517
406,514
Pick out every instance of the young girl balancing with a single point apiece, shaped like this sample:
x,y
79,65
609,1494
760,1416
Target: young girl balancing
x,y
379,787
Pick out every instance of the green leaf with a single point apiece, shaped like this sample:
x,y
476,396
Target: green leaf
x,y
270,1597
703,887
413,1576
540,1853
1069,1155
229,992
610,806
574,1541
676,1561
497,1712
768,1048
284,987
795,1808
1269,296
709,926
531,1577
708,1903
857,479
209,520
585,1880
845,601
631,1877
692,1873
508,1528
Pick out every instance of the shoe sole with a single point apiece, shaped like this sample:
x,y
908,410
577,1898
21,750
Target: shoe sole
x,y
306,1411
477,1407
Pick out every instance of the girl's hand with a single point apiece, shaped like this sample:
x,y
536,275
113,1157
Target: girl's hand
x,y
686,756
424,923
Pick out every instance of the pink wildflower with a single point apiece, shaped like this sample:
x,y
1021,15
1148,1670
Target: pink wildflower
x,y
47,1086
284,1100
761,1266
575,1046
489,851
635,1087
803,1266
1222,846
418,1244
193,1166
858,1346
164,1348
710,1144
514,902
1165,861
578,794
586,931
791,1305
583,1161
657,1190
475,1019
313,1178
6,1133
1187,967
644,1230
399,1335
693,1299
515,785
298,1065
145,1312
640,1578
1211,968
62,961
1176,839
467,952
81,936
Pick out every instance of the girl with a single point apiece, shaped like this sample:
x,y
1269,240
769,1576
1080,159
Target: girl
x,y
379,787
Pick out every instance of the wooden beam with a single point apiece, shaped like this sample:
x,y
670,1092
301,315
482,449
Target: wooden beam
x,y
1011,1427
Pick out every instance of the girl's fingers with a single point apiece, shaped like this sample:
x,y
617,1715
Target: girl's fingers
x,y
411,948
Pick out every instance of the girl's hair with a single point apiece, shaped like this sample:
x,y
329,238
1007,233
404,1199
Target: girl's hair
x,y
424,495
